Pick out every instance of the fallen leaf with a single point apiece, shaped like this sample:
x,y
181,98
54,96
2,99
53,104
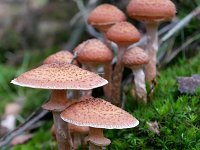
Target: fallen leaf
x,y
188,84
21,139
153,126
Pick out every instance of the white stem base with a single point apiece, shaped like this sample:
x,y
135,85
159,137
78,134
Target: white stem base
x,y
140,87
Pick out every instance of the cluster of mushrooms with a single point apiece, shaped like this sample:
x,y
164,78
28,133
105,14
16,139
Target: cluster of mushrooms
x,y
81,119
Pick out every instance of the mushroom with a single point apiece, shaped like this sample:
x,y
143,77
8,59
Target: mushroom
x,y
135,58
63,56
123,34
151,12
104,16
58,78
92,53
98,114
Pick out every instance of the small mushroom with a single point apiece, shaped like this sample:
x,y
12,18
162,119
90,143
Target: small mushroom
x,y
123,34
104,16
151,12
63,56
98,114
58,78
91,54
135,58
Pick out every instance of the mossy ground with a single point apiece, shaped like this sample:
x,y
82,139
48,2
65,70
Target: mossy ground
x,y
176,114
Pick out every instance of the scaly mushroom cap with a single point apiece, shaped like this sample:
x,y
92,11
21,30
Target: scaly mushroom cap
x,y
60,76
59,57
123,33
104,16
93,51
151,10
135,57
97,113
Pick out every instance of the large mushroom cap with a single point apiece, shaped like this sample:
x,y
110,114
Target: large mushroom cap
x,y
93,51
60,76
135,57
123,33
151,10
97,113
59,57
105,15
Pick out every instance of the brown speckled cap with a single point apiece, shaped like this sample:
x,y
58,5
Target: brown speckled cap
x,y
60,76
123,33
93,51
151,10
63,56
104,16
135,57
97,113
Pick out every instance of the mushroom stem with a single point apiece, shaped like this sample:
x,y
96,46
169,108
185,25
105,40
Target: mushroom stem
x,y
151,49
96,139
62,136
76,137
59,101
140,88
96,132
106,41
117,77
108,76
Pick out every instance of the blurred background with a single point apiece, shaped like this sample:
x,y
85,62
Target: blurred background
x,y
31,30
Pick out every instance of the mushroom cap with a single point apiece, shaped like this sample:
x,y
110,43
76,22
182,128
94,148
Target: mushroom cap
x,y
151,10
97,113
93,51
135,57
60,76
63,56
123,33
104,16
